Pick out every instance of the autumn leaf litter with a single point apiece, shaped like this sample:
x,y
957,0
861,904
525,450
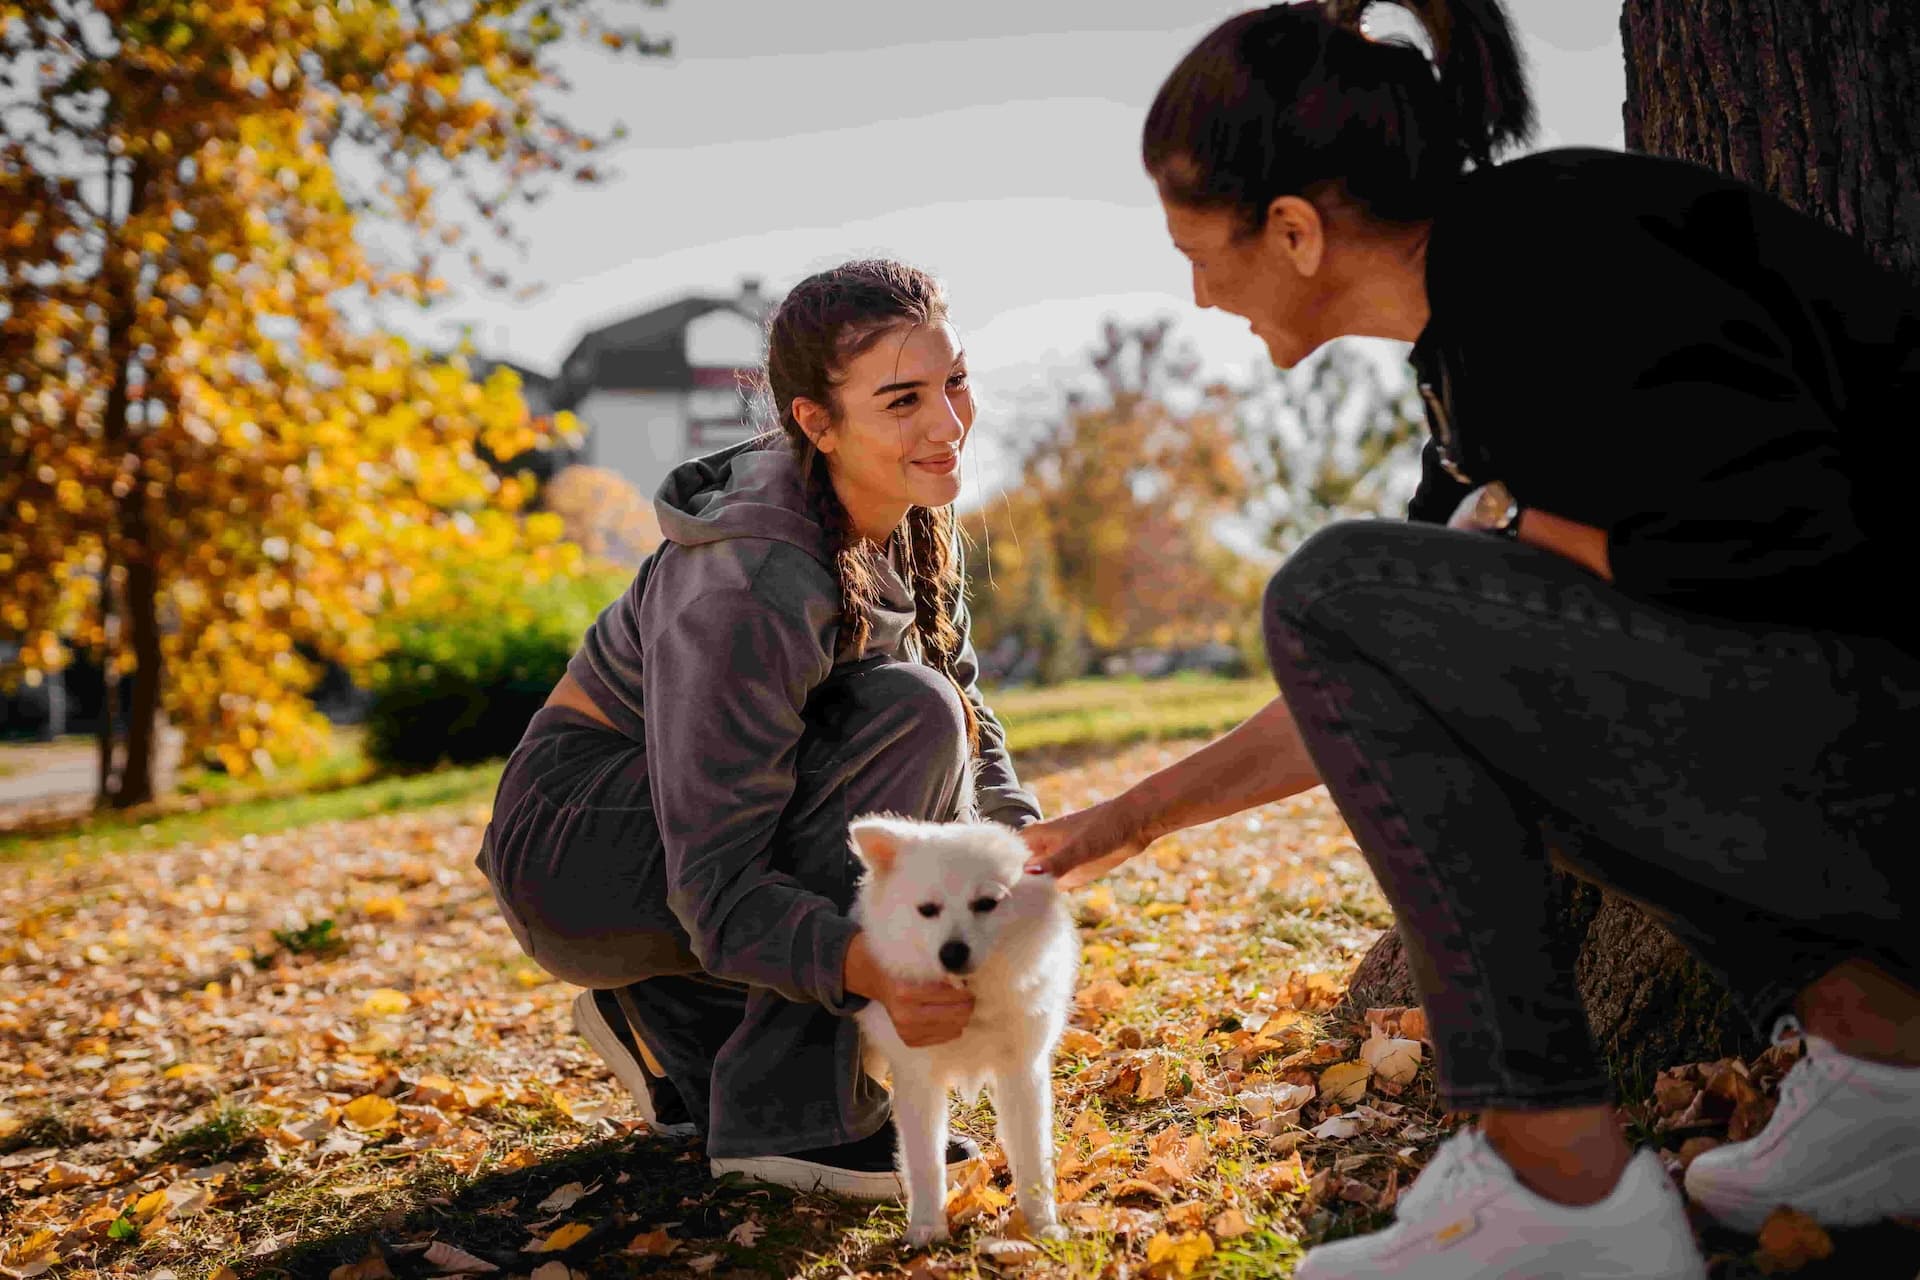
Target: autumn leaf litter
x,y
198,1076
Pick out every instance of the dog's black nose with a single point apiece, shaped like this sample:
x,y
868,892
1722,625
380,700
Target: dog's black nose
x,y
953,957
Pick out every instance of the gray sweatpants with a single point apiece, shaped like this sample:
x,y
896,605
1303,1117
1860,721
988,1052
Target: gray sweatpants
x,y
575,858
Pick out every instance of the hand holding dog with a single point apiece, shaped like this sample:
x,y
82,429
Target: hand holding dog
x,y
1081,847
923,1013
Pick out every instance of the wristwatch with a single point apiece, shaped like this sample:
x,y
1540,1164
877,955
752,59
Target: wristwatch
x,y
1497,511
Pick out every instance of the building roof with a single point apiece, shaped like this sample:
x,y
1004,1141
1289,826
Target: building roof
x,y
647,351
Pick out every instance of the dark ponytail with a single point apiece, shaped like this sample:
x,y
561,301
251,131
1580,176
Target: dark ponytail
x,y
1272,102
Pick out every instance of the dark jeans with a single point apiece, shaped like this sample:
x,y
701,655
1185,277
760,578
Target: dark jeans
x,y
575,857
1479,708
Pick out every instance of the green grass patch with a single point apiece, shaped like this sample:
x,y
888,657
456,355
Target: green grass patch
x,y
230,1131
1126,709
111,833
342,784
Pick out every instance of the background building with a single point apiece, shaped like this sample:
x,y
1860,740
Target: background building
x,y
661,386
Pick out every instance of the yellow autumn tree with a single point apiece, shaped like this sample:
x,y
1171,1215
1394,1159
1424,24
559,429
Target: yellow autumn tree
x,y
213,470
1106,541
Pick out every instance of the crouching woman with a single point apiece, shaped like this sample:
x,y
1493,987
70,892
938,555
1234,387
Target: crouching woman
x,y
671,832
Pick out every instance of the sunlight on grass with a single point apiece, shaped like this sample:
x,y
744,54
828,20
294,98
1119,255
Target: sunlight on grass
x,y
1116,712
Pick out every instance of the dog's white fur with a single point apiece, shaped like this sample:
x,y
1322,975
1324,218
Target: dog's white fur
x,y
1022,956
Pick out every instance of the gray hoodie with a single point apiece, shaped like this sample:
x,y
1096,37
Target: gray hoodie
x,y
707,661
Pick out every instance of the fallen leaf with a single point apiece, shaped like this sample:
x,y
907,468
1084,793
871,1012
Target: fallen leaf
x,y
449,1260
652,1244
1395,1061
1334,1128
372,1267
1153,1080
1345,1082
1011,1252
1080,1044
1230,1224
747,1234
1790,1239
1178,1254
369,1111
32,1256
1274,1099
572,1233
553,1271
566,1197
385,1002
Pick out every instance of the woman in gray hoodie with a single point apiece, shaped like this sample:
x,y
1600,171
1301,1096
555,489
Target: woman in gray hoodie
x,y
671,832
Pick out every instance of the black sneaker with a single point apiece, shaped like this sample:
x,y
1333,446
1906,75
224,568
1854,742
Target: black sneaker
x,y
862,1170
601,1023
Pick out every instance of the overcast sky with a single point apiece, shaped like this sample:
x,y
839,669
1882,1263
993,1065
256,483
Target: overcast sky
x,y
994,142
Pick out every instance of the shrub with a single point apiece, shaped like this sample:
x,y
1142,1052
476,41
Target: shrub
x,y
468,664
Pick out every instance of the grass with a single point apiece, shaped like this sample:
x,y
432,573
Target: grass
x,y
1088,714
1121,710
259,815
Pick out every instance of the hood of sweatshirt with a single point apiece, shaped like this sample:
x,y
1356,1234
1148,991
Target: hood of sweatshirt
x,y
753,490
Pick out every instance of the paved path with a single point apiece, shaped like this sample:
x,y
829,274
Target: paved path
x,y
56,775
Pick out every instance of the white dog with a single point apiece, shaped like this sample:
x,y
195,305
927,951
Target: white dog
x,y
951,901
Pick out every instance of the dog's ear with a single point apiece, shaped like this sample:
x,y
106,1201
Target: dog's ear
x,y
877,842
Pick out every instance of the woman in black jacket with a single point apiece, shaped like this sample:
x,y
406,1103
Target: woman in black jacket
x,y
1662,644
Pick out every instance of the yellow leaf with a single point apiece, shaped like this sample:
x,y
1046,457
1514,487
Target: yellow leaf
x,y
389,908
182,1070
369,1111
385,1002
36,1251
1345,1082
653,1244
223,1272
1098,953
435,1091
570,1234
1158,910
150,1205
1179,1254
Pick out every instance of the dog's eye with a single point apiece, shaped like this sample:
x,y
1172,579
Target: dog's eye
x,y
929,909
984,905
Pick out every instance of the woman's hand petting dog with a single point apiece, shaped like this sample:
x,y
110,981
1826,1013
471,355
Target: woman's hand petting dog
x,y
923,1013
1081,847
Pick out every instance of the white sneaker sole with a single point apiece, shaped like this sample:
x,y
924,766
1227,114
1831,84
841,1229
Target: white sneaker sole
x,y
1864,1195
632,1075
804,1175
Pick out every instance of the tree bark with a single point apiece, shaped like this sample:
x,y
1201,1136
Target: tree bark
x,y
1818,102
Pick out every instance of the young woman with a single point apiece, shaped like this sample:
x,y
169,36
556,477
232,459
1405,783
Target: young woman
x,y
671,833
1663,643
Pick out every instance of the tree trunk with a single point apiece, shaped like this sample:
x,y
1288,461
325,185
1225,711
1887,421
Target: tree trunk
x,y
130,543
1818,102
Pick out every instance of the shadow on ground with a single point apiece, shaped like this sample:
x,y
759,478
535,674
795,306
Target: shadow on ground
x,y
638,1186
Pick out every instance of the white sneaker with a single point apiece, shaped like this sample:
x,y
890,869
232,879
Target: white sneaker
x,y
1468,1217
1843,1145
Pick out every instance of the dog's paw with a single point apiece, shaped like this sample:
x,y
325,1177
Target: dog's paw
x,y
922,1234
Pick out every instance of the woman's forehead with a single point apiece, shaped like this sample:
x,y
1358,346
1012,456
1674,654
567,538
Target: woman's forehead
x,y
906,353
